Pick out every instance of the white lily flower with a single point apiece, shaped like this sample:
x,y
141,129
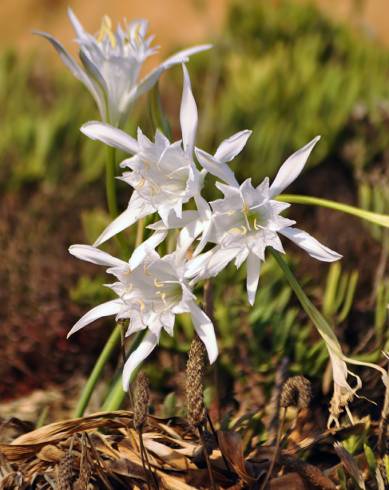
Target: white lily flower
x,y
162,174
150,296
247,220
112,61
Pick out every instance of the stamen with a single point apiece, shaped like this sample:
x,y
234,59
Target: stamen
x,y
106,30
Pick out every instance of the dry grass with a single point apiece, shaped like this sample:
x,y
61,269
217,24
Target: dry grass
x,y
103,451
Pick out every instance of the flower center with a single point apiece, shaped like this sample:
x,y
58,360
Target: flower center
x,y
169,292
254,220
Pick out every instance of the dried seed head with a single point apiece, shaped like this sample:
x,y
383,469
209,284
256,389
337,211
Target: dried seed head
x,y
141,400
296,392
195,369
310,473
85,472
65,473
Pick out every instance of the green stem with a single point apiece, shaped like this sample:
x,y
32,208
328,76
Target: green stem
x,y
140,230
310,309
116,395
106,353
110,172
323,327
376,218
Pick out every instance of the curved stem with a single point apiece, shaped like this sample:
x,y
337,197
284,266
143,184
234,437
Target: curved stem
x,y
376,218
106,353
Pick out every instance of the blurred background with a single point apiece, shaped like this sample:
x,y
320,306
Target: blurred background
x,y
287,69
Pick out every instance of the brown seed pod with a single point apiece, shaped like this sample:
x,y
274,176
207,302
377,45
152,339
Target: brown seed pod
x,y
141,400
65,473
195,369
296,392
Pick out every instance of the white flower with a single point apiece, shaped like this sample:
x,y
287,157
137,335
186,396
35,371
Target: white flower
x,y
112,62
162,174
150,296
247,220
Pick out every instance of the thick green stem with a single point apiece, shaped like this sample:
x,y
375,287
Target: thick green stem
x,y
376,218
140,230
106,353
110,172
117,395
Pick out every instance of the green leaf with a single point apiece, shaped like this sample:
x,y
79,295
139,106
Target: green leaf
x,y
376,218
157,115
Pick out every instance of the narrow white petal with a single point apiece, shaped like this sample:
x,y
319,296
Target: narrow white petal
x,y
232,146
93,71
187,236
174,222
292,168
253,270
95,255
205,330
64,55
220,170
77,71
76,24
110,136
188,114
314,248
149,81
127,218
145,248
210,263
183,55
105,309
145,348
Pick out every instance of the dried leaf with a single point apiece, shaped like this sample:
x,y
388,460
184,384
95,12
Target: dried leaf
x,y
231,446
291,481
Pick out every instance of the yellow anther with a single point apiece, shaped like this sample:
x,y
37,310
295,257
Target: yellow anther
x,y
241,230
141,183
136,33
106,30
158,284
140,303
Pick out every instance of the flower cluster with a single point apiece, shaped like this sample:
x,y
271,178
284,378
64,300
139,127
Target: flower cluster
x,y
165,176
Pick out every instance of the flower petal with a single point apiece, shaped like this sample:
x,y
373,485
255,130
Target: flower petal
x,y
105,309
144,249
210,263
145,348
147,83
183,55
127,218
253,270
232,146
312,246
218,169
292,168
77,71
95,256
79,30
110,136
205,330
188,115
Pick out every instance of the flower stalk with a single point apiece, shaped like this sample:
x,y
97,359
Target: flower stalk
x,y
376,218
96,373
